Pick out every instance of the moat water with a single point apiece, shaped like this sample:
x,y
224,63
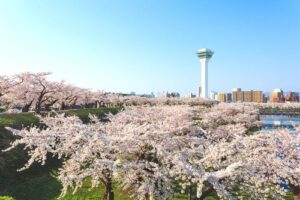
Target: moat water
x,y
279,121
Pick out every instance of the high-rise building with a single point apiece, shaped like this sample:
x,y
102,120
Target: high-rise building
x,y
292,97
228,97
257,96
266,98
204,56
247,96
222,97
237,96
277,96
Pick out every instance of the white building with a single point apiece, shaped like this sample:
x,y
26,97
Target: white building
x,y
190,95
236,90
213,95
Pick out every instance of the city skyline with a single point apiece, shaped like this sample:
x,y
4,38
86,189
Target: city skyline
x,y
150,46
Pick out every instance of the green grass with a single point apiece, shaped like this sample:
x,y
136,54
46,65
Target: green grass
x,y
39,186
6,198
17,120
85,193
83,114
36,183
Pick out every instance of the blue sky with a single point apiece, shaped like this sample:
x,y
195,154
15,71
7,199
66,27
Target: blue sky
x,y
150,45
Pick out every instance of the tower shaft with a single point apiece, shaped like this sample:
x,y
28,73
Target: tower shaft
x,y
204,76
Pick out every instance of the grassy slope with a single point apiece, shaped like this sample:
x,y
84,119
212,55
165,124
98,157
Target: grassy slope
x,y
27,119
83,114
85,193
18,120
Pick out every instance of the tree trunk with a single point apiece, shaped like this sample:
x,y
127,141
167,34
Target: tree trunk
x,y
63,106
108,194
206,193
38,108
39,101
98,104
48,105
26,107
190,192
296,197
38,105
296,192
74,103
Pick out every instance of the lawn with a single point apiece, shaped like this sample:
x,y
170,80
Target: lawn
x,y
18,120
83,114
86,194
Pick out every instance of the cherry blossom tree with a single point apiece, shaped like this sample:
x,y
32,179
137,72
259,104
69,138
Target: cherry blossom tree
x,y
233,163
20,94
83,149
33,89
44,90
98,97
260,164
148,138
98,150
5,84
68,97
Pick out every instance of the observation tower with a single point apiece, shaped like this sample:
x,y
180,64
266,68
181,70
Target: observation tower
x,y
204,55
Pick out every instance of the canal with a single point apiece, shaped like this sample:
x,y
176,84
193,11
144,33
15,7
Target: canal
x,y
279,121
